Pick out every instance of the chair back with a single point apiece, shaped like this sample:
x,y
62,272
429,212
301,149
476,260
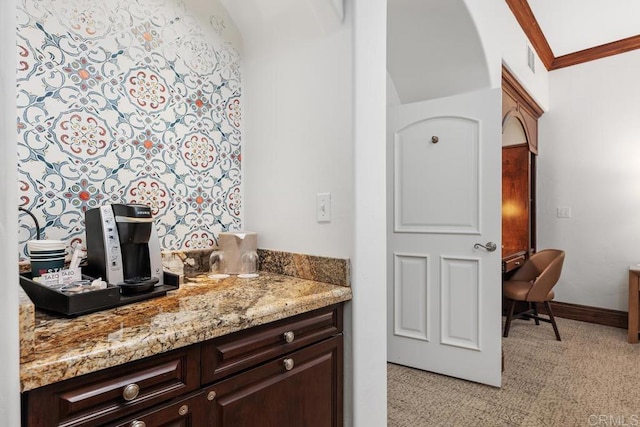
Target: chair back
x,y
543,268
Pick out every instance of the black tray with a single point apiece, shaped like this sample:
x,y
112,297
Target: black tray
x,y
49,299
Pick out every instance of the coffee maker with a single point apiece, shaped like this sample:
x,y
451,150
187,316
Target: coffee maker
x,y
123,247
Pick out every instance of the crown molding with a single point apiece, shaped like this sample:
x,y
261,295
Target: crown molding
x,y
602,51
529,24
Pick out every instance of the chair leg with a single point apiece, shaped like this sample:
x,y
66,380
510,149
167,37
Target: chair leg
x,y
509,316
553,320
534,307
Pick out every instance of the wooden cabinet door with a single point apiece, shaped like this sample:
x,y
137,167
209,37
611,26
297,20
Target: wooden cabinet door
x,y
301,389
516,196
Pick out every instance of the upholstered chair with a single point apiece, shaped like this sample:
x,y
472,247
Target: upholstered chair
x,y
533,283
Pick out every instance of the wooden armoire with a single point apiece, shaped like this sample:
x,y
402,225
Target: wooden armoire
x,y
520,115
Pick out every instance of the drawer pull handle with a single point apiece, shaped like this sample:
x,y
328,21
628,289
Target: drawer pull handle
x,y
288,364
289,336
138,423
130,392
184,409
517,262
211,395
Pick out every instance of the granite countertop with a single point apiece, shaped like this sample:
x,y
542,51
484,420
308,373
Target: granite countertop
x,y
55,348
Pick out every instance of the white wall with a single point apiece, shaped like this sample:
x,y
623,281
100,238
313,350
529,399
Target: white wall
x,y
313,94
369,271
9,353
297,124
589,150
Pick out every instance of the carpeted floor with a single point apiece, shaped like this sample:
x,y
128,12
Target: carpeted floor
x,y
590,378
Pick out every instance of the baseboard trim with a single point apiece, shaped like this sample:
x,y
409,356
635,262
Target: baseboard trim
x,y
584,313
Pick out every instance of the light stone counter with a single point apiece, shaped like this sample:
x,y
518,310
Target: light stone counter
x,y
56,348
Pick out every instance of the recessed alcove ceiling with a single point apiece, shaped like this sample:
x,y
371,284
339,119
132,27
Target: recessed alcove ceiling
x,y
433,49
436,41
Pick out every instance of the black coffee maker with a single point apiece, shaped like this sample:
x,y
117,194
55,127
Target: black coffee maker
x,y
123,247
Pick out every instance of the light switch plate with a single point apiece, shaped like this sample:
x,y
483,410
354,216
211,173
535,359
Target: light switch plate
x,y
323,207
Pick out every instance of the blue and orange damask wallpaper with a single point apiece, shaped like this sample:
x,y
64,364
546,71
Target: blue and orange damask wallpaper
x,y
128,101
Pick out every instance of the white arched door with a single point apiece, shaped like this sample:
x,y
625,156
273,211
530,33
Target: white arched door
x,y
444,290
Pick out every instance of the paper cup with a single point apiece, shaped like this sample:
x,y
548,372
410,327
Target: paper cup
x,y
47,256
46,265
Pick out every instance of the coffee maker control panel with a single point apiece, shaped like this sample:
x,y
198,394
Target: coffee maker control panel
x,y
112,241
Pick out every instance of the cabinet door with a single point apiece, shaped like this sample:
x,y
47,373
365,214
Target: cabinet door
x,y
301,389
516,198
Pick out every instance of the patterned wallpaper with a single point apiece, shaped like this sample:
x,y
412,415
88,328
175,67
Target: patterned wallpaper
x,y
128,101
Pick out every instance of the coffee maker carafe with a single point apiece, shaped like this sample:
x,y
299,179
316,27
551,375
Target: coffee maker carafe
x,y
123,246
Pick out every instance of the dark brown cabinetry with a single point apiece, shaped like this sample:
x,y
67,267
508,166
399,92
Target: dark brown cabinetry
x,y
184,412
301,389
229,354
520,115
97,398
285,373
517,215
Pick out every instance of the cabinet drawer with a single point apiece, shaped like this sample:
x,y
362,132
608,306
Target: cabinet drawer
x,y
303,388
185,412
233,353
513,263
103,396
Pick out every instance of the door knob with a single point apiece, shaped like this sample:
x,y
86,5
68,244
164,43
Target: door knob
x,y
490,246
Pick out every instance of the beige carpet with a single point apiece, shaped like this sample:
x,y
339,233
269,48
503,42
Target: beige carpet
x,y
590,378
